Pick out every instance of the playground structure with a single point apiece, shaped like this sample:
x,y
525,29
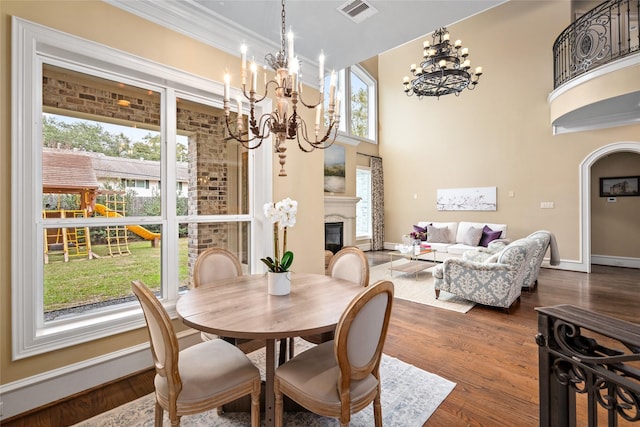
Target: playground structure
x,y
71,241
117,237
71,174
76,241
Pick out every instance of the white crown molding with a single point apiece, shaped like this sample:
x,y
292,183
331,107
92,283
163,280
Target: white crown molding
x,y
191,19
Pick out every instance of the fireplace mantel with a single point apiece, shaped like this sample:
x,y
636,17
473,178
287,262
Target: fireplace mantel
x,y
342,209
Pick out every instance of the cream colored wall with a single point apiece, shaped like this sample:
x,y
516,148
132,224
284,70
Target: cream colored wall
x,y
102,23
496,135
614,224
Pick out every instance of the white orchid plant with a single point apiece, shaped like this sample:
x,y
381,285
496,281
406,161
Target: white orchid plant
x,y
282,215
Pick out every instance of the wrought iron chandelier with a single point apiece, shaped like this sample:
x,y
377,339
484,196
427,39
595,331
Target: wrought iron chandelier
x,y
444,70
284,122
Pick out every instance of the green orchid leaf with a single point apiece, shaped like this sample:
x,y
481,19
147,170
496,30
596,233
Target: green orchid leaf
x,y
287,260
269,263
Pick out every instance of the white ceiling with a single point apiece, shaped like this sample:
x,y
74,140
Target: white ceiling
x,y
318,25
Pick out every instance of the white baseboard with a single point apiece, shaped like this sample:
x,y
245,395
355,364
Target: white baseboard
x,y
364,247
615,261
38,390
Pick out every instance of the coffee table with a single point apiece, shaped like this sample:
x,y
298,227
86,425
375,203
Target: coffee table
x,y
415,264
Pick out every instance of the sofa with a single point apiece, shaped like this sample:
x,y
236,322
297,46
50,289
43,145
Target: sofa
x,y
452,239
497,281
541,240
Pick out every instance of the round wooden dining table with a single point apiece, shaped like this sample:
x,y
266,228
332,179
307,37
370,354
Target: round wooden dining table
x,y
241,308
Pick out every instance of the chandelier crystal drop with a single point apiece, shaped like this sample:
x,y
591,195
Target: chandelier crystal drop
x,y
284,122
445,68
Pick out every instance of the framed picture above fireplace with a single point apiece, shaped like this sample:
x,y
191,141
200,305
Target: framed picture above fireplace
x,y
334,169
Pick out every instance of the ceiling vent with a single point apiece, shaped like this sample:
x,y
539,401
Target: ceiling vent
x,y
357,10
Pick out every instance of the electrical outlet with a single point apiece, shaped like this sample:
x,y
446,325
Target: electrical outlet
x,y
546,205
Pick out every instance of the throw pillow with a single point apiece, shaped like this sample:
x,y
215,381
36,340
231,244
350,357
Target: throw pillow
x,y
419,229
488,236
472,236
419,233
437,235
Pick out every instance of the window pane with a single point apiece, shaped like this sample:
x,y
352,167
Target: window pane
x,y
215,171
101,156
359,107
91,268
195,238
94,140
363,207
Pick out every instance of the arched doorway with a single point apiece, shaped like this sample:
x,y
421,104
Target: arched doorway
x,y
585,194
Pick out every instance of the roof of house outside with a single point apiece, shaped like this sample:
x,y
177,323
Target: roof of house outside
x,y
66,169
84,169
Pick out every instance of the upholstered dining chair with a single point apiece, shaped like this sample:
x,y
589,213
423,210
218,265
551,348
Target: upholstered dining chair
x,y
341,377
199,378
349,263
215,264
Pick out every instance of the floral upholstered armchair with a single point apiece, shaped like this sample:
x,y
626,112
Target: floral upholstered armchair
x,y
496,282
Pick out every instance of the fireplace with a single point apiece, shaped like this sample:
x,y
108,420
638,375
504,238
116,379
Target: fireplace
x,y
333,236
340,222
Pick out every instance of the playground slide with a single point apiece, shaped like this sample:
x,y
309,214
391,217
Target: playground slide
x,y
140,231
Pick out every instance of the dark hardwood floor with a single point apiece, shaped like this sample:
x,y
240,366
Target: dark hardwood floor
x,y
491,356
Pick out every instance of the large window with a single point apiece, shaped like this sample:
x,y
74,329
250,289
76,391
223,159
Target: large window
x,y
363,207
120,172
358,105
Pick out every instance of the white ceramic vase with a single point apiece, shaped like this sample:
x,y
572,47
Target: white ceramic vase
x,y
279,283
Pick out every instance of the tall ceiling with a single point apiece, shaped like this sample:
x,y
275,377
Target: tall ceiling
x,y
318,25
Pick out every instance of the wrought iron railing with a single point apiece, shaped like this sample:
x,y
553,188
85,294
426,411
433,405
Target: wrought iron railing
x,y
604,34
589,366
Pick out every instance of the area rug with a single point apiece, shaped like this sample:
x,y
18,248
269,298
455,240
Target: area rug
x,y
418,289
409,397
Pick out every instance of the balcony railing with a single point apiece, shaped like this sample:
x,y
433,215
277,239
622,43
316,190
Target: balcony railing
x,y
604,34
589,367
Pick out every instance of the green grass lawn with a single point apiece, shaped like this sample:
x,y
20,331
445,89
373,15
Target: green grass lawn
x,y
83,281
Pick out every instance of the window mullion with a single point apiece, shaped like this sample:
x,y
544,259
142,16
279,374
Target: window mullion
x,y
170,269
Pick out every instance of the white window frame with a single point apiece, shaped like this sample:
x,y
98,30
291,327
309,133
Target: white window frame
x,y
370,234
344,83
33,45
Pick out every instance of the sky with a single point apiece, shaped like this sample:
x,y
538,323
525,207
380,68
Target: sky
x,y
134,134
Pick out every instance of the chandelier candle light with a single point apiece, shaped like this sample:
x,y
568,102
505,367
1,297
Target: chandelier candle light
x,y
284,122
445,68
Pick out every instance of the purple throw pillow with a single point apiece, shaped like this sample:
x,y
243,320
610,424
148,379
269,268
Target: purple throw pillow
x,y
488,236
419,229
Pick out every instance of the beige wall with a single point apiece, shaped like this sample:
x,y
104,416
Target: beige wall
x,y
496,135
102,23
611,222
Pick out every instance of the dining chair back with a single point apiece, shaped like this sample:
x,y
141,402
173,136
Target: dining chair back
x,y
341,377
349,263
214,264
199,378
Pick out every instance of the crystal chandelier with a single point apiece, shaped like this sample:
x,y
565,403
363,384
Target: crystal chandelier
x,y
444,70
284,122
